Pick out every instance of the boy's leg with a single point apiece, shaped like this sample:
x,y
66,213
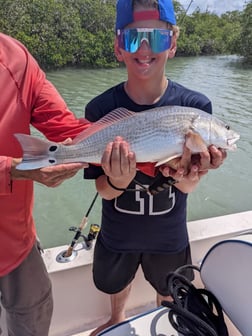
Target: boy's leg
x,y
118,303
27,297
156,268
113,274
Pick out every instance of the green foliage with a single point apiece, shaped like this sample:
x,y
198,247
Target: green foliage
x,y
62,32
232,30
208,34
246,34
81,32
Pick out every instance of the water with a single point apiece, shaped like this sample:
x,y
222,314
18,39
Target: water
x,y
226,190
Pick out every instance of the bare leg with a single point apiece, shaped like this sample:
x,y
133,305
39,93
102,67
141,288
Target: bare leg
x,y
161,298
118,302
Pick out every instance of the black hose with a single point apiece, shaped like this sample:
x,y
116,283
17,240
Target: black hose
x,y
193,311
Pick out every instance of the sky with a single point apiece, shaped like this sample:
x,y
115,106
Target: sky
x,y
217,6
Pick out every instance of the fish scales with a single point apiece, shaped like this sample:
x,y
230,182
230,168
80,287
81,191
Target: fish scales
x,y
155,135
163,128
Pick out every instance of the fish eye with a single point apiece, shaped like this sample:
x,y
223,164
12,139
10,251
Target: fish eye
x,y
227,127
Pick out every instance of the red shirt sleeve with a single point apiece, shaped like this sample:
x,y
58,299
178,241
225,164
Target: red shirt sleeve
x,y
47,109
51,116
5,177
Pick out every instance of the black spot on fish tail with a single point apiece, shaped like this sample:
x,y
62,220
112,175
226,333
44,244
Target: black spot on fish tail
x,y
53,148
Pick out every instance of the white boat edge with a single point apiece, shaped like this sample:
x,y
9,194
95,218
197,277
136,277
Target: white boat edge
x,y
80,307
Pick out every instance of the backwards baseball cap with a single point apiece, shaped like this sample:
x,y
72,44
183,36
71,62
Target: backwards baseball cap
x,y
125,14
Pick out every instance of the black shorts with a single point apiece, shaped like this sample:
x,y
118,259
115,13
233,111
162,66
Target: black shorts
x,y
113,271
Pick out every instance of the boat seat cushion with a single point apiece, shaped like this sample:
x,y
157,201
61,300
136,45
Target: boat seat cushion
x,y
226,271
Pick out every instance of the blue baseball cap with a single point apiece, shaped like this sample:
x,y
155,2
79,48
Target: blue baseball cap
x,y
125,14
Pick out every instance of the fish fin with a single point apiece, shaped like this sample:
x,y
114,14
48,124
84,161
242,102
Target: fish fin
x,y
109,119
165,160
35,164
195,142
37,153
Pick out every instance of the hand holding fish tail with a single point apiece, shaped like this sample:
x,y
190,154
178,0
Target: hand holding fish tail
x,y
119,165
55,175
49,176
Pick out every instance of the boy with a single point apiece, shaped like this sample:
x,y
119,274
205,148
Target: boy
x,y
138,228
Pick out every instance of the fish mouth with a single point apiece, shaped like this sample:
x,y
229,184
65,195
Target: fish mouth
x,y
231,142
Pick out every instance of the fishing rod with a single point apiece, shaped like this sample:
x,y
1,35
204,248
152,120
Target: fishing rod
x,y
94,229
183,17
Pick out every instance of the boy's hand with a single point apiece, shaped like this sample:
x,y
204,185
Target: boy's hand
x,y
210,159
188,169
119,163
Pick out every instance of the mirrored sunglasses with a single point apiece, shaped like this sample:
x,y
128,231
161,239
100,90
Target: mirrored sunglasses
x,y
130,40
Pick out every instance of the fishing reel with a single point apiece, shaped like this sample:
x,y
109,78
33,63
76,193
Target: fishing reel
x,y
70,254
89,238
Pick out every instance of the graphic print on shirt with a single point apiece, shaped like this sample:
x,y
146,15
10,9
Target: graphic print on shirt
x,y
141,203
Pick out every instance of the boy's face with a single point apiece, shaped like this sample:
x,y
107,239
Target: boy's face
x,y
144,61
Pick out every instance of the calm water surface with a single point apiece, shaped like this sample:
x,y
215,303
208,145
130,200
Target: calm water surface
x,y
226,190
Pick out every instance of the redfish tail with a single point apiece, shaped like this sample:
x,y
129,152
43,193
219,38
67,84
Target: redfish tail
x,y
37,153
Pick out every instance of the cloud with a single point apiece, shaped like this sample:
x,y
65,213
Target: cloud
x,y
214,6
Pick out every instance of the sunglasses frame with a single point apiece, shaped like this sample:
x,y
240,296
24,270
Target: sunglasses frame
x,y
131,39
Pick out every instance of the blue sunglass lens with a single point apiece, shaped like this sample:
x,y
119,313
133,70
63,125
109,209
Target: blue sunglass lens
x,y
130,40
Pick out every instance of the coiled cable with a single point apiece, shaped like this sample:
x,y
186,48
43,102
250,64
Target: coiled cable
x,y
193,311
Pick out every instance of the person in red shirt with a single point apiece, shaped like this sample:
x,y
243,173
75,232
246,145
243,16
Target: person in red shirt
x,y
27,98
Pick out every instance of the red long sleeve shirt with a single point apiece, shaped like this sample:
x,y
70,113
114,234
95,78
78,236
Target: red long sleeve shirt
x,y
26,98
